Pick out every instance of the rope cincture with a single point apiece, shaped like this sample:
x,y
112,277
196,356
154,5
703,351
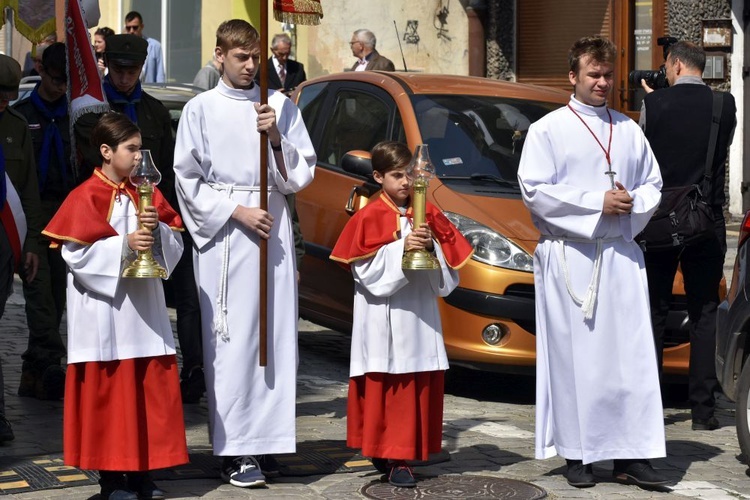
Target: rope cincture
x,y
589,300
221,326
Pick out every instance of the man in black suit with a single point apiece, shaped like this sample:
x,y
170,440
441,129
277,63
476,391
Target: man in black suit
x,y
284,74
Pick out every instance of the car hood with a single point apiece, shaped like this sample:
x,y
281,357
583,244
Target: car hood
x,y
504,214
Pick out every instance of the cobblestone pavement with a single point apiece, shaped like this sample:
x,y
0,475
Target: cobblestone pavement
x,y
489,424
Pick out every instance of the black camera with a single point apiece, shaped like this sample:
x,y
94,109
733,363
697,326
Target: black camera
x,y
655,78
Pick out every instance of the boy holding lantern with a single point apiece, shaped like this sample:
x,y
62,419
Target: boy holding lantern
x,y
398,359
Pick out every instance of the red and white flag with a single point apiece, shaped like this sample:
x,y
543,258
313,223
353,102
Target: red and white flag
x,y
13,220
84,83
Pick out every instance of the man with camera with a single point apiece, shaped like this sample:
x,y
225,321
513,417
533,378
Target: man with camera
x,y
677,122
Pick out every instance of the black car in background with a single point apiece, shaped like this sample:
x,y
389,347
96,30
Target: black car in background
x,y
733,339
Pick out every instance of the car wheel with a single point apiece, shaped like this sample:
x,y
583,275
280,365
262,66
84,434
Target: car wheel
x,y
743,412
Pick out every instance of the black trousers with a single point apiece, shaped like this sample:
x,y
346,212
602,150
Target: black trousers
x,y
188,309
6,285
702,267
45,304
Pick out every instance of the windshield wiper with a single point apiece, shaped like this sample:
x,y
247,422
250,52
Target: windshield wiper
x,y
479,177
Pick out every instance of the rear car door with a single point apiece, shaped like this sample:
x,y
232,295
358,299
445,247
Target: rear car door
x,y
340,116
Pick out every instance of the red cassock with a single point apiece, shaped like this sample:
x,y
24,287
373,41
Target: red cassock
x,y
396,416
121,415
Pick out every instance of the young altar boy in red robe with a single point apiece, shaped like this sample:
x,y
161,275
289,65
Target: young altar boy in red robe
x,y
398,359
123,411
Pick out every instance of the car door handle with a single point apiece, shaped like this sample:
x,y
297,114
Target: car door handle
x,y
350,208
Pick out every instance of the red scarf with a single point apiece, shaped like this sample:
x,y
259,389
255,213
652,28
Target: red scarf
x,y
84,215
378,224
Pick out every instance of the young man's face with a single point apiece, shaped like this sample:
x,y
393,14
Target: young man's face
x,y
396,184
593,82
54,84
240,65
124,78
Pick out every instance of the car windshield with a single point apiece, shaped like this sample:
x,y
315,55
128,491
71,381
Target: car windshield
x,y
476,138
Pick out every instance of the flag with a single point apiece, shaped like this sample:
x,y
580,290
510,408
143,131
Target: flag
x,y
306,12
85,91
13,220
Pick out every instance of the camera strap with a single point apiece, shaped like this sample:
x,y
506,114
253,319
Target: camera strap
x,y
718,100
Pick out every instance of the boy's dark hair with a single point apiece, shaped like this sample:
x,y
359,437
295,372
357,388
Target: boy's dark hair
x,y
390,155
132,15
688,53
53,58
236,33
598,48
113,129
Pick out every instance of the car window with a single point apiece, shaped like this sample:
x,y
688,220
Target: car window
x,y
359,121
310,100
470,135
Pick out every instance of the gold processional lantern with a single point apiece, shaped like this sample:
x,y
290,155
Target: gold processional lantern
x,y
144,177
420,170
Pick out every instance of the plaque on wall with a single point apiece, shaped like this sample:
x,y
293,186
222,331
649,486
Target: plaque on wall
x,y
717,33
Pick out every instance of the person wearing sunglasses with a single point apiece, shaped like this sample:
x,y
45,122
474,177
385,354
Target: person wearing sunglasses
x,y
153,68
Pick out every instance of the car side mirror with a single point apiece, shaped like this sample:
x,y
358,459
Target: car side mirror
x,y
357,162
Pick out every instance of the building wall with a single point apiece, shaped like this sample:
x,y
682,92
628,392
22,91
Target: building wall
x,y
434,38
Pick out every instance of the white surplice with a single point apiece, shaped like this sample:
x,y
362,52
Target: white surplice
x,y
598,393
110,317
396,318
217,168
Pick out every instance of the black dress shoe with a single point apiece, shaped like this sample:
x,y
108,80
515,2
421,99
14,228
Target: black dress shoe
x,y
705,424
6,431
637,472
381,465
579,475
143,486
269,466
114,486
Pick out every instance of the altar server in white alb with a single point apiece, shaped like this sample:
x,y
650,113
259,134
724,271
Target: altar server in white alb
x,y
217,170
123,412
591,182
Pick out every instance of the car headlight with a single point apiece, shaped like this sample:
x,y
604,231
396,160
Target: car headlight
x,y
491,247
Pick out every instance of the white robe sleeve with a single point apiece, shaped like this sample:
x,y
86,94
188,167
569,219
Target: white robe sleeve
x,y
574,210
97,266
646,194
298,151
170,250
381,275
444,281
206,210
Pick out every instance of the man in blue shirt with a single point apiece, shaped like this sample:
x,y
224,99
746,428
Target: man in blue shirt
x,y
153,68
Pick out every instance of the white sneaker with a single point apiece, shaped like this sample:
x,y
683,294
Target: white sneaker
x,y
243,472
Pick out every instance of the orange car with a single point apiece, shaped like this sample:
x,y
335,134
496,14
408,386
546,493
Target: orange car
x,y
475,129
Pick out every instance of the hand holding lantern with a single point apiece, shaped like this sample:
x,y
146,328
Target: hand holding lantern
x,y
144,177
420,170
